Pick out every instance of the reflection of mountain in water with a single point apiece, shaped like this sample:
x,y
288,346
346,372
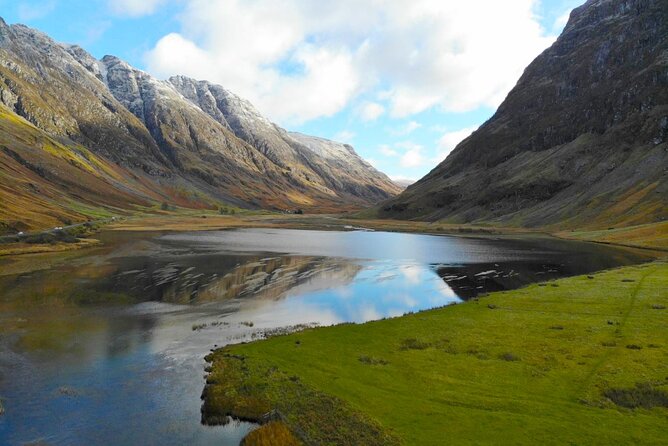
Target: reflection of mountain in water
x,y
191,279
468,281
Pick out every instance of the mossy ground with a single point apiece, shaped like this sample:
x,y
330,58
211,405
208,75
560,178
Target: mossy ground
x,y
539,365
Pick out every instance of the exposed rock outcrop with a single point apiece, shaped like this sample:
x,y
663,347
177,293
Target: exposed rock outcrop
x,y
580,141
187,142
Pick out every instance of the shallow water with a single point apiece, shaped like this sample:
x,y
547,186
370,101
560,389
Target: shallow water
x,y
108,347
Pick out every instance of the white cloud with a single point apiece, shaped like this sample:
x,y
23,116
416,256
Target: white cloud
x,y
302,59
260,50
370,111
134,8
410,154
94,30
387,150
413,156
345,136
449,141
406,129
35,10
561,21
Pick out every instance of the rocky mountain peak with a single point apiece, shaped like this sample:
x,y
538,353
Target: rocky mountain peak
x,y
94,66
582,130
334,166
207,94
183,141
325,147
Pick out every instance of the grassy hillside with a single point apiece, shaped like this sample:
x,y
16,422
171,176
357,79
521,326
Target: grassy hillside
x,y
653,235
47,181
582,360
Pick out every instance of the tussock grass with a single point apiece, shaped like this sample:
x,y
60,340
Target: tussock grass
x,y
643,395
372,361
414,344
274,433
509,357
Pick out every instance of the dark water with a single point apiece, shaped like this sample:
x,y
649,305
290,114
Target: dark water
x,y
107,347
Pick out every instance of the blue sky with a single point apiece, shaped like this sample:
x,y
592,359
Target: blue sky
x,y
402,81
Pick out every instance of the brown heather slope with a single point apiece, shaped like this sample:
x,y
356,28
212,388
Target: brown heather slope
x,y
580,142
149,143
46,182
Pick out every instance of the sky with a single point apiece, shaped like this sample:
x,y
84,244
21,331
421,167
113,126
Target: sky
x,y
403,81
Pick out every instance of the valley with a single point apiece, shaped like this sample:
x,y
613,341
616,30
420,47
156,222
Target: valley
x,y
182,265
120,330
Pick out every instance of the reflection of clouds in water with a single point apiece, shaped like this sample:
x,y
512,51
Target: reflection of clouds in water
x,y
396,312
288,312
378,290
350,292
407,300
413,273
369,313
224,279
385,276
345,292
445,290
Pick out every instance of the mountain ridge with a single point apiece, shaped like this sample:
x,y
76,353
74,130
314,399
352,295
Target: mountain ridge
x,y
580,141
199,151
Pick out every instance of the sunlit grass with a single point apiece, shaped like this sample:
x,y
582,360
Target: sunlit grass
x,y
532,366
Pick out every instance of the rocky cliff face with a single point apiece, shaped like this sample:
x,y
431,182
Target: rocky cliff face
x,y
182,141
337,170
341,167
42,82
580,141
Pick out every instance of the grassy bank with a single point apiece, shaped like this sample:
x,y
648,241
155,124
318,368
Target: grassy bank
x,y
181,221
13,249
582,360
653,235
646,236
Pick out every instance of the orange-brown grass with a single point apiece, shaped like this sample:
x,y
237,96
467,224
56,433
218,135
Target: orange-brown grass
x,y
653,235
11,249
273,433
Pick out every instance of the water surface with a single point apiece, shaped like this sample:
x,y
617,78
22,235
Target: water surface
x,y
107,347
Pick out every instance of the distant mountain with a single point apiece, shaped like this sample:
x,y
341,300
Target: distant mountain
x,y
403,182
84,137
581,141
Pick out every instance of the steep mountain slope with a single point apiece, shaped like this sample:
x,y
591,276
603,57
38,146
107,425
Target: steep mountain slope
x,y
338,170
161,142
342,168
46,181
581,141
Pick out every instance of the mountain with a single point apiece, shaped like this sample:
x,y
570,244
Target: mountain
x,y
580,141
84,138
403,182
339,168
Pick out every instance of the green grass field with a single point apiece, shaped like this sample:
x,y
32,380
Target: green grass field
x,y
582,360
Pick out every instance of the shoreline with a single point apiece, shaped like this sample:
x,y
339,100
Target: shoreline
x,y
503,335
327,222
